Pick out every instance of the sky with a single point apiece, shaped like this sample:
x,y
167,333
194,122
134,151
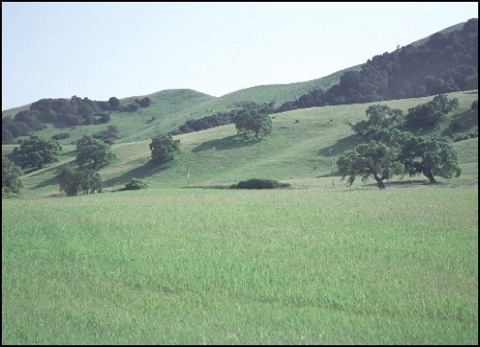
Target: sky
x,y
98,50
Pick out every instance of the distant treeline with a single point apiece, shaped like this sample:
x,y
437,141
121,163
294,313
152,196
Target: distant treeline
x,y
445,63
62,113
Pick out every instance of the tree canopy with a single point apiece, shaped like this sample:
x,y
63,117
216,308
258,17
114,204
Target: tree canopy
x,y
164,148
35,152
430,156
429,115
370,159
10,177
92,153
73,181
252,122
381,118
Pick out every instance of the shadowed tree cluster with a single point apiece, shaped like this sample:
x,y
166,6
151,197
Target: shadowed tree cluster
x,y
92,154
388,150
74,181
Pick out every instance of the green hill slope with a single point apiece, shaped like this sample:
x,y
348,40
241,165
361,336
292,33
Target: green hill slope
x,y
159,116
279,93
171,108
298,152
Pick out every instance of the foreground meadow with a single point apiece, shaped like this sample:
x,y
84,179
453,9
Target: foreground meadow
x,y
200,266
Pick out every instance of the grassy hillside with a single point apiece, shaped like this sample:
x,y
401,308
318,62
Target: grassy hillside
x,y
298,152
158,117
172,108
13,111
281,93
444,31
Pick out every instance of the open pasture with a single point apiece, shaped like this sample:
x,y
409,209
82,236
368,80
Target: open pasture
x,y
216,266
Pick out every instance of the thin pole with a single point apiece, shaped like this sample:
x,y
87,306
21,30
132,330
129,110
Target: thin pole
x,y
331,165
188,168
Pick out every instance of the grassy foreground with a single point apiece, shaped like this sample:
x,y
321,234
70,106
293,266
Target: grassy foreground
x,y
193,266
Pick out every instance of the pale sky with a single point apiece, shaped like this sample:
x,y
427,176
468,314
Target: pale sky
x,y
99,50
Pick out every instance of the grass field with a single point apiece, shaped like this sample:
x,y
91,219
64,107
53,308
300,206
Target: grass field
x,y
194,266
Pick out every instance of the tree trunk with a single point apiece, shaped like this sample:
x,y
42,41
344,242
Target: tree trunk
x,y
429,175
379,180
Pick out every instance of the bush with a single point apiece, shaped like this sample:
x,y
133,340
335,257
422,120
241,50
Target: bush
x,y
134,184
103,118
61,136
132,107
474,106
258,183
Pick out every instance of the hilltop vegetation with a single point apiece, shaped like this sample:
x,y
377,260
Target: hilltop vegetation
x,y
61,113
445,62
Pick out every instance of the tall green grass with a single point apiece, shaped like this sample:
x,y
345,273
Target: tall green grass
x,y
192,266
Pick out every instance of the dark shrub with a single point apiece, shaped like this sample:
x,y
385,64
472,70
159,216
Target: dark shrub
x,y
61,136
258,183
134,184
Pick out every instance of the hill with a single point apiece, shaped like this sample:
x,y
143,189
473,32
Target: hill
x,y
159,115
171,108
446,62
297,152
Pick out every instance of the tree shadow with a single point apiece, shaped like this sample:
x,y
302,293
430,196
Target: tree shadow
x,y
340,146
228,142
408,182
140,172
51,181
146,170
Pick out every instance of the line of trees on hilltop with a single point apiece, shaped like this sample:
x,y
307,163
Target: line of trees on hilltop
x,y
445,63
62,113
